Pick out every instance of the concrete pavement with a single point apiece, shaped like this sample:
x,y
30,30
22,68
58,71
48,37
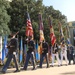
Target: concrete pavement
x,y
63,70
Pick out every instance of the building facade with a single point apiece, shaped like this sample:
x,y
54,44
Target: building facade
x,y
71,26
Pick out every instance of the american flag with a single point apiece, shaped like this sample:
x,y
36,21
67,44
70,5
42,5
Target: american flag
x,y
52,35
29,29
41,28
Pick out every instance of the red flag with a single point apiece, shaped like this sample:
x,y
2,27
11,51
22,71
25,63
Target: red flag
x,y
41,28
52,35
29,29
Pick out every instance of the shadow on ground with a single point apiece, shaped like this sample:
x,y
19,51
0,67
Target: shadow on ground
x,y
13,69
68,73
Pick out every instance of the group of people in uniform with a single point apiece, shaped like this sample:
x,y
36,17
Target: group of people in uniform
x,y
57,51
61,52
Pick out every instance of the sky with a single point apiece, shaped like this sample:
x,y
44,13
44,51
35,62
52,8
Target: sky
x,y
66,7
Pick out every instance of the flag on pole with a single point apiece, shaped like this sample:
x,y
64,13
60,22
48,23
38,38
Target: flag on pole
x,y
41,28
4,50
41,32
61,33
37,54
21,50
29,29
52,35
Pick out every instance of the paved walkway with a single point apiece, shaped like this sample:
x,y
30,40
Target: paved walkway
x,y
63,70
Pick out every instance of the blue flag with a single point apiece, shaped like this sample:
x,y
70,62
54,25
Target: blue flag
x,y
37,54
21,50
4,50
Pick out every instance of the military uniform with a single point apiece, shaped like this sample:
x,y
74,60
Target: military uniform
x,y
64,53
30,54
71,54
12,47
44,54
54,54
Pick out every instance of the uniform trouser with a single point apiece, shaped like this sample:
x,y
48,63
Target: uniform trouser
x,y
10,56
70,58
73,59
28,56
42,58
53,58
64,54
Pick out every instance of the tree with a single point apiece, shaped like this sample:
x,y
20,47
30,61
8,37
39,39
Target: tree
x,y
56,17
18,15
4,17
18,11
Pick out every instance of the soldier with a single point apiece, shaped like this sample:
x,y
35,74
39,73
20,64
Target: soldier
x,y
12,47
74,55
54,53
44,54
70,54
64,53
30,53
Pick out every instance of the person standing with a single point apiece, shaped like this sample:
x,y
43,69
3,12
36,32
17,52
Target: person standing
x,y
12,49
44,54
74,55
30,53
55,54
70,54
64,53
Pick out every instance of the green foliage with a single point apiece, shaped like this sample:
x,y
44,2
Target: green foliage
x,y
18,15
4,17
36,31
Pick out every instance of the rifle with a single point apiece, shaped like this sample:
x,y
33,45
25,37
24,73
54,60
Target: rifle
x,y
16,33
